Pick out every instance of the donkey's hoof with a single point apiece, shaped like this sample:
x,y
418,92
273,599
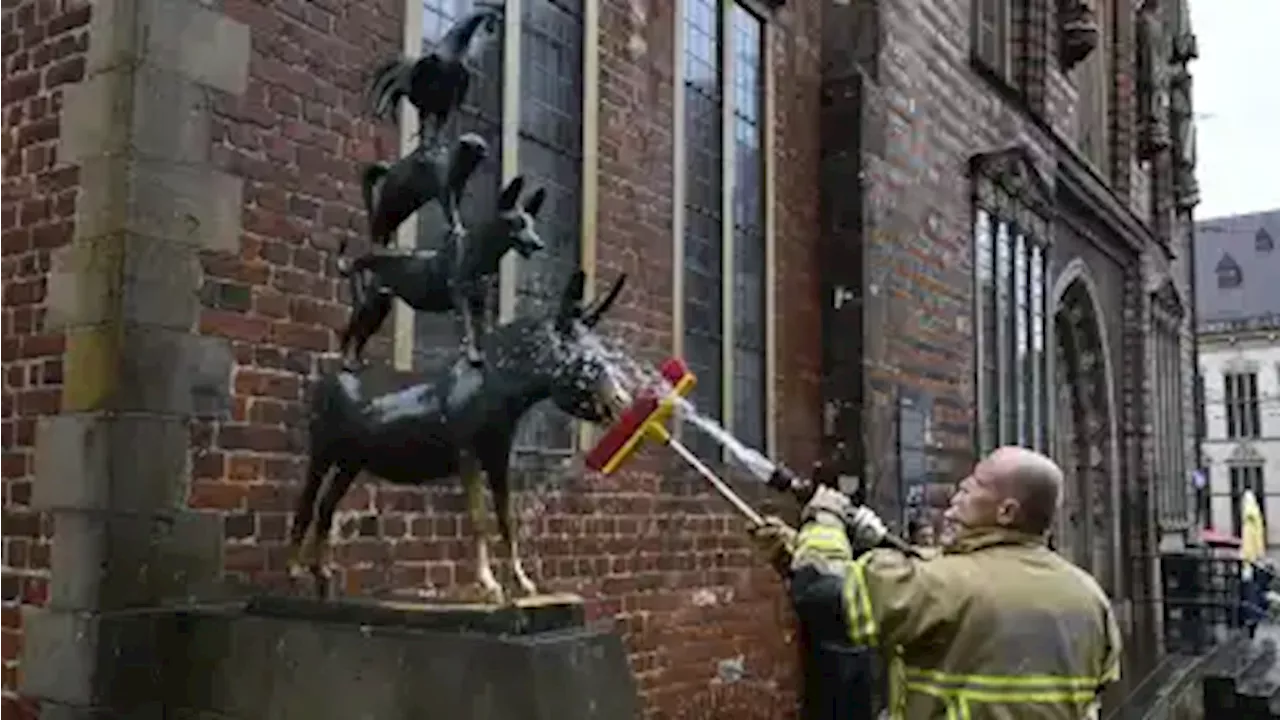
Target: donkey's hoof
x,y
322,577
490,591
474,356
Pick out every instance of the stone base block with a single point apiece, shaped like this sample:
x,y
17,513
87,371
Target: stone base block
x,y
286,658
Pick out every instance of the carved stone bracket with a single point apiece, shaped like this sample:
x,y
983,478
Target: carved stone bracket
x,y
1183,49
1154,51
1078,32
1007,181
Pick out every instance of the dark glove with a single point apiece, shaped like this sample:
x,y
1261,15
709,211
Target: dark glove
x,y
775,540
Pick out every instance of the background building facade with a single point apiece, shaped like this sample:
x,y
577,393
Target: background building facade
x,y
1238,301
1008,217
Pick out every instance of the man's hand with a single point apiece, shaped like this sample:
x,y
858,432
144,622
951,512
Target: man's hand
x,y
775,540
865,528
827,505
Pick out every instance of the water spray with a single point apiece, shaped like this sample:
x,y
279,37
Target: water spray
x,y
645,417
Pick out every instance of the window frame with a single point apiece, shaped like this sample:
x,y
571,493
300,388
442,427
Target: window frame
x,y
728,118
1009,201
1251,476
1168,388
1001,26
511,92
1243,404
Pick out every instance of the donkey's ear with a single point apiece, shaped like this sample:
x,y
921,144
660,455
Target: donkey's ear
x,y
592,315
511,193
534,203
571,300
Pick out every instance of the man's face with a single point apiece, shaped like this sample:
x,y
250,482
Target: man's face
x,y
981,501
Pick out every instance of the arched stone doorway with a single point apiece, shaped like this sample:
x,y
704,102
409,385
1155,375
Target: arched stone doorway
x,y
1083,436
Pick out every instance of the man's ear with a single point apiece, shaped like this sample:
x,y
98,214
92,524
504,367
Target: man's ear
x,y
1008,512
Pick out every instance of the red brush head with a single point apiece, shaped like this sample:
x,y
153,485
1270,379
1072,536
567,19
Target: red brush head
x,y
623,437
615,440
674,370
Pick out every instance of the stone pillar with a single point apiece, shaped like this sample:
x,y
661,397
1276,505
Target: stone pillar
x,y
112,468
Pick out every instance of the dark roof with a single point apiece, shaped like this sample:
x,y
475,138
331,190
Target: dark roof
x,y
1238,267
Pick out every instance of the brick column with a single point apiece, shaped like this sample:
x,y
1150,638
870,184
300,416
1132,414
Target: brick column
x,y
112,467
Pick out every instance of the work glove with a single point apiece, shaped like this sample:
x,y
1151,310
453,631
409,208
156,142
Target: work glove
x,y
775,540
827,506
865,528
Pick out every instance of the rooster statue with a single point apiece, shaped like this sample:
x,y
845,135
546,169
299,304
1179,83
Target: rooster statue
x,y
435,84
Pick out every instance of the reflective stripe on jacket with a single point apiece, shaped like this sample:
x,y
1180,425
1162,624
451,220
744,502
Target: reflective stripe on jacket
x,y
996,627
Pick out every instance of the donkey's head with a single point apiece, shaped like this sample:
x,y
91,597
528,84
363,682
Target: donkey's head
x,y
584,381
514,225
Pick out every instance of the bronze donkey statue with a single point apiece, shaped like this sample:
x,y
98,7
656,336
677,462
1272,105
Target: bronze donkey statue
x,y
457,420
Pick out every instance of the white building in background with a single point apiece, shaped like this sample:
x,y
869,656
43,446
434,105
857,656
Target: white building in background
x,y
1238,309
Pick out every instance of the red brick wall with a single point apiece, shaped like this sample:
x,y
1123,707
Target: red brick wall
x,y
296,136
44,44
665,559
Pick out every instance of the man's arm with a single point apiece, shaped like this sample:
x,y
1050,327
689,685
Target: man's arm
x,y
882,598
1113,651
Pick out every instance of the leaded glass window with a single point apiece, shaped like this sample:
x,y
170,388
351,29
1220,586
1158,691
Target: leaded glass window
x,y
1010,234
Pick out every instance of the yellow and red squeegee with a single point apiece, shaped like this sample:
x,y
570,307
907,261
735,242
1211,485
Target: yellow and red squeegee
x,y
646,418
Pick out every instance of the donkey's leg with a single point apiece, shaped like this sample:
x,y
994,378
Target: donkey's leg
x,y
333,492
499,482
473,478
302,533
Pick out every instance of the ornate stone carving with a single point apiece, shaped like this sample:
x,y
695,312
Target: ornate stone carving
x,y
1078,32
1012,173
1181,110
1154,51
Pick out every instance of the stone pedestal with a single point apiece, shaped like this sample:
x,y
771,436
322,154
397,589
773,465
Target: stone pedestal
x,y
285,658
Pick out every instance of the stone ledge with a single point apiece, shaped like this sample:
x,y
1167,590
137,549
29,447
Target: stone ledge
x,y
244,666
548,613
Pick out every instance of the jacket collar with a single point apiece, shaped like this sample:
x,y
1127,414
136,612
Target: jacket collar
x,y
982,538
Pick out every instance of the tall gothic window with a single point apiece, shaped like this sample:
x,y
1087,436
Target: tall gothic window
x,y
1244,419
1168,385
724,269
1010,262
549,155
748,228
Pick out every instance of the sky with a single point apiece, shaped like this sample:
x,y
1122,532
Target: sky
x,y
1237,102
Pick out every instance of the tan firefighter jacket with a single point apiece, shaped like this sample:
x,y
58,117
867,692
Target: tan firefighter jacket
x,y
996,627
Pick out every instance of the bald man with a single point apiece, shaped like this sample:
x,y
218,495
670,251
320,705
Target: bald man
x,y
996,626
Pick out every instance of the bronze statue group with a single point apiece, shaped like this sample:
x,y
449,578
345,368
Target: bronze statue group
x,y
412,428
